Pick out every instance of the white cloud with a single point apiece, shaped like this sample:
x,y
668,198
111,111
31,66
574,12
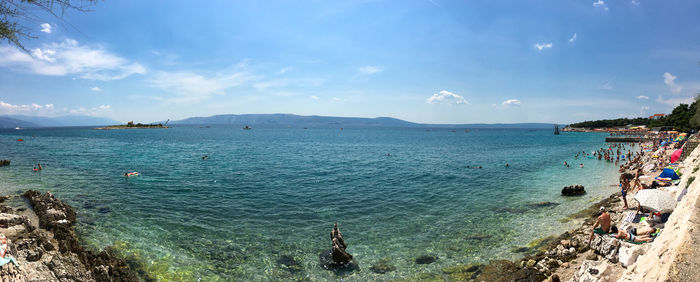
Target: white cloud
x,y
635,2
336,99
573,38
313,97
367,70
511,102
284,70
543,46
105,107
669,80
600,4
46,27
188,86
642,97
675,101
96,89
645,108
70,58
446,97
34,109
607,85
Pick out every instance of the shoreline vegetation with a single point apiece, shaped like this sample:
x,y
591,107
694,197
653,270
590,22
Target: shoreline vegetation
x,y
40,236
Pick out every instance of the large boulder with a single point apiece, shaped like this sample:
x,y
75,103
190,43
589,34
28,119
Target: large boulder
x,y
629,253
573,190
606,246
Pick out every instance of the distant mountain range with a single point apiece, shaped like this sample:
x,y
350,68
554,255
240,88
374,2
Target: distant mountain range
x,y
327,121
12,121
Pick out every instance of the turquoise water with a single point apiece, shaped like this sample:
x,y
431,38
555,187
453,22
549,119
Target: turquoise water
x,y
269,192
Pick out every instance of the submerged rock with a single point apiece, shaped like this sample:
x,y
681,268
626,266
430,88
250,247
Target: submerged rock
x,y
503,270
573,190
382,266
426,259
542,205
337,259
463,272
327,263
4,162
289,263
478,237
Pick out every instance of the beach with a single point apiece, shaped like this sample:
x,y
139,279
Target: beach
x,y
456,259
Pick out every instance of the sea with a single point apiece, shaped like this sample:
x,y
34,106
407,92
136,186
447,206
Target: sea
x,y
262,204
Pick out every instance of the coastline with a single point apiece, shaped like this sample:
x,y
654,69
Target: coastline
x,y
40,237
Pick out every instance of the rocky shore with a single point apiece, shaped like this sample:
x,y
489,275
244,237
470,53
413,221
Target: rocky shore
x,y
41,238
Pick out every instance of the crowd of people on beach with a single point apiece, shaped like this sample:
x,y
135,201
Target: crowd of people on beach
x,y
631,181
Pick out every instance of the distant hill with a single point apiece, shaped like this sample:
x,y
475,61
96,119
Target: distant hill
x,y
8,122
327,121
63,120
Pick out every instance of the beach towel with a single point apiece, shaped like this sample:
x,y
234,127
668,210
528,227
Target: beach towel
x,y
629,217
7,259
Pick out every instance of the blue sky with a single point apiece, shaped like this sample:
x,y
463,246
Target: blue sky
x,y
430,61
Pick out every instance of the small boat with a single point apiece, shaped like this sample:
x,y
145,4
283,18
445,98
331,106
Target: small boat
x,y
17,128
247,127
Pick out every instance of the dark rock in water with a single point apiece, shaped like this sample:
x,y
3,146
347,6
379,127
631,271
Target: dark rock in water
x,y
382,266
478,237
509,210
542,205
327,263
573,190
463,272
89,205
426,259
289,263
104,210
503,270
3,198
4,162
520,249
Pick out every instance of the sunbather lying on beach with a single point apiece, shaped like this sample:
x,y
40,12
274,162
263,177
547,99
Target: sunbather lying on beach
x,y
622,234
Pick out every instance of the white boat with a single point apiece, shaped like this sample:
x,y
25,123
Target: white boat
x,y
17,128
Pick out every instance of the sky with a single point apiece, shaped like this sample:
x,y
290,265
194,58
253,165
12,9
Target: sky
x,y
431,61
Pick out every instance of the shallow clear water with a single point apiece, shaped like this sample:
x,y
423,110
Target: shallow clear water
x,y
268,192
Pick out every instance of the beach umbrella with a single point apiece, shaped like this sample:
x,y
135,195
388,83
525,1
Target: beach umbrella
x,y
656,200
676,155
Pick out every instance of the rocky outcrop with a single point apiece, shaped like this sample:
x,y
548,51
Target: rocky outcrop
x,y
53,252
607,247
337,259
4,162
573,190
628,253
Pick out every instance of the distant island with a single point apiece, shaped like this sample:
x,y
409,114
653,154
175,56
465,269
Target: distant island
x,y
331,121
132,125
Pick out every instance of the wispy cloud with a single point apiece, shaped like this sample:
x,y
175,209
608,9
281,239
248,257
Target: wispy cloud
x,y
368,70
543,46
446,97
511,102
600,4
669,80
284,70
46,27
642,97
573,38
70,58
607,85
675,101
313,97
35,109
96,89
189,86
635,2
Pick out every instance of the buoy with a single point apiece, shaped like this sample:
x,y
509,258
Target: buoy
x,y
20,140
